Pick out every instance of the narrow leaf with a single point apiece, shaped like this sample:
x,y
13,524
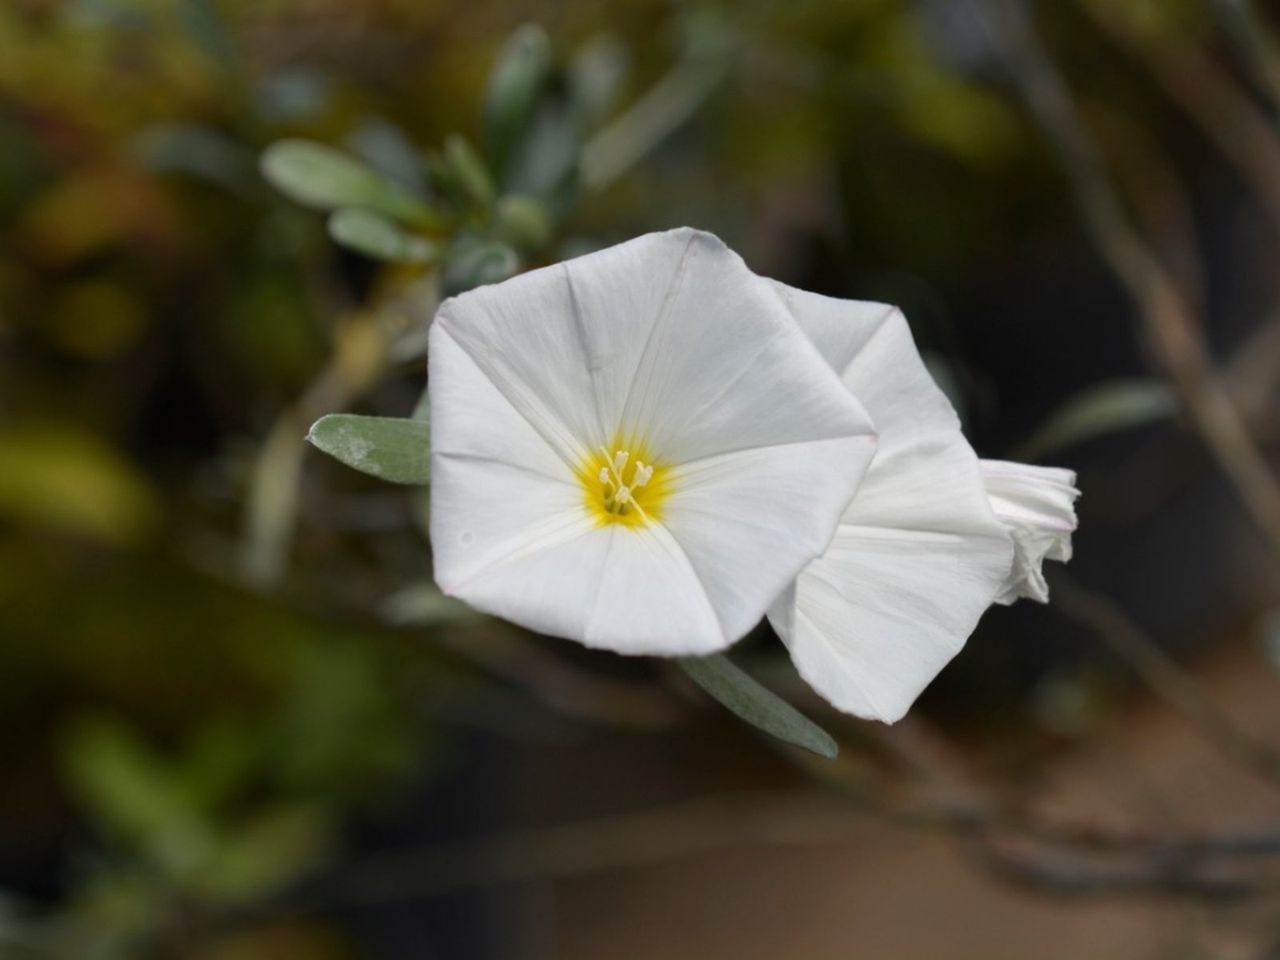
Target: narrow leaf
x,y
423,605
468,171
1104,408
743,696
389,448
473,263
422,409
378,238
208,28
316,175
523,222
517,79
596,74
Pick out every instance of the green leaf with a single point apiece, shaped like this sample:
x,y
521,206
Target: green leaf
x,y
1104,408
596,74
209,29
423,605
316,175
266,853
743,696
523,222
197,151
135,795
473,263
546,165
422,409
378,238
466,168
385,447
514,87
218,763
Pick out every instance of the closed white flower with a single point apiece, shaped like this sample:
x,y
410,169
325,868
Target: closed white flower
x,y
931,538
637,449
1037,505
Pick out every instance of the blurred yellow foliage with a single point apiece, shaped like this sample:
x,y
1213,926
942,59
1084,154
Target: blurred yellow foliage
x,y
63,477
95,319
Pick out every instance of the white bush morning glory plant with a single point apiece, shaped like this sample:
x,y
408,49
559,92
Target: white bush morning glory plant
x,y
646,448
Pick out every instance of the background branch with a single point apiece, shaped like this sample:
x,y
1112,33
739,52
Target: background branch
x,y
1167,319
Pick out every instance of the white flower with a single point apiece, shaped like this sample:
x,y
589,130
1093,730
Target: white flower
x,y
931,538
637,449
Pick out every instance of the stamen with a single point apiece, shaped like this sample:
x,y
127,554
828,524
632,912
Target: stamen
x,y
618,498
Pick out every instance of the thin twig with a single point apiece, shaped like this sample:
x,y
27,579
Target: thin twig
x,y
1165,677
572,692
1254,374
1167,319
588,847
1060,877
1155,867
1253,44
1229,119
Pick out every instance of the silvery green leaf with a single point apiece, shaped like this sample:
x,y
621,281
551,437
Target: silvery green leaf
x,y
374,236
199,151
468,171
596,73
316,175
293,95
546,163
422,409
1103,408
386,147
523,222
514,87
474,263
208,28
738,692
390,448
423,605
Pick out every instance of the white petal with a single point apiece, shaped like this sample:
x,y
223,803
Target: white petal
x,y
471,418
748,520
919,554
1037,504
650,600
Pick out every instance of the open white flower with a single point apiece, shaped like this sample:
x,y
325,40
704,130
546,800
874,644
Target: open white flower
x,y
931,539
637,449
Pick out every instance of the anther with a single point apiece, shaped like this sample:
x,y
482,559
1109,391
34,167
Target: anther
x,y
604,474
620,462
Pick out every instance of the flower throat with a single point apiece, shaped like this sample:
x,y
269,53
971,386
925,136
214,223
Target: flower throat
x,y
624,487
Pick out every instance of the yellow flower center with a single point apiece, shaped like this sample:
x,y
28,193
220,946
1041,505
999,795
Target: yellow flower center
x,y
623,485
